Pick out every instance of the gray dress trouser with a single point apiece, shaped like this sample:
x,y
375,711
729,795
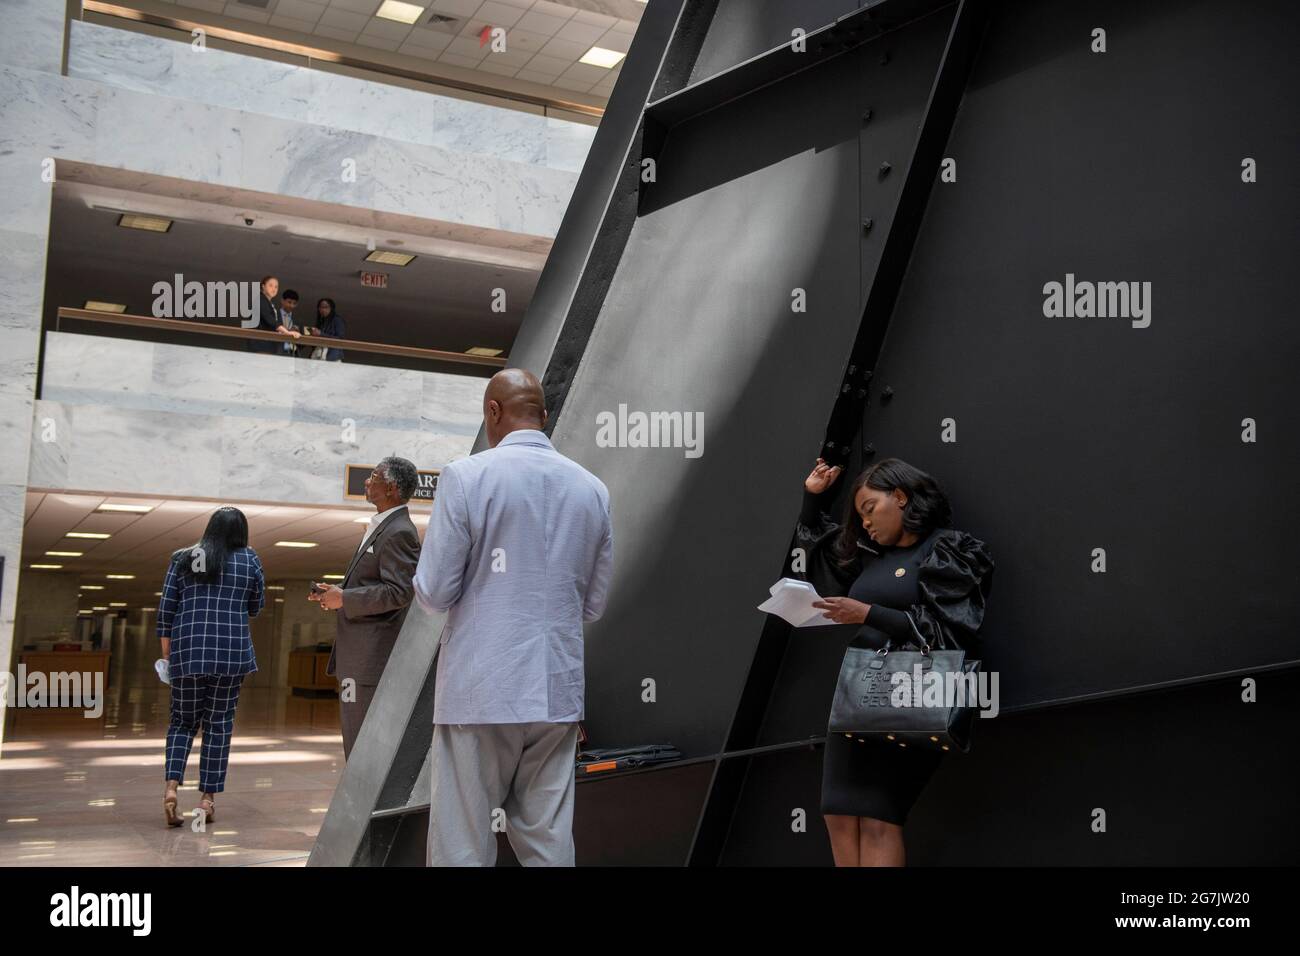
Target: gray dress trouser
x,y
492,777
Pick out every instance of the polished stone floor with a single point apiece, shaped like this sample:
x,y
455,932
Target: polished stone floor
x,y
77,791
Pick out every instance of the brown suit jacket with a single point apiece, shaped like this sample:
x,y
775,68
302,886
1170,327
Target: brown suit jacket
x,y
377,589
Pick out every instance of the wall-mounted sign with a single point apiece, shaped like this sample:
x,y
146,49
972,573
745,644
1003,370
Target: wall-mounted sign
x,y
374,280
354,482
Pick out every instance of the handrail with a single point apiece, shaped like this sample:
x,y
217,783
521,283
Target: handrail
x,y
237,332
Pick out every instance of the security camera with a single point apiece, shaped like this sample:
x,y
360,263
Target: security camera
x,y
248,220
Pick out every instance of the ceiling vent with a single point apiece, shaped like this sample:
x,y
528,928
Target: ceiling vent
x,y
259,4
443,23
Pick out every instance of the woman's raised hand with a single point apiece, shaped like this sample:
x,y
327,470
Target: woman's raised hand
x,y
822,477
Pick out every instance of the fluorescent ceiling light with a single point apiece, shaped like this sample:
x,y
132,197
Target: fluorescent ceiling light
x,y
275,587
332,577
295,544
484,350
399,12
92,587
599,56
131,220
94,305
120,577
92,535
64,554
148,610
101,608
133,509
390,258
45,567
117,604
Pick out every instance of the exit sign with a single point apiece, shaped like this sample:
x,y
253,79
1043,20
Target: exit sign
x,y
375,280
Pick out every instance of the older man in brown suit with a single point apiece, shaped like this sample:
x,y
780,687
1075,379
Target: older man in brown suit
x,y
371,602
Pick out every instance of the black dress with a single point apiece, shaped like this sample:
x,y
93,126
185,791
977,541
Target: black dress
x,y
942,581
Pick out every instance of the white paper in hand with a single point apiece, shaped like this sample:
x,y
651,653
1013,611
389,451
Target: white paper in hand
x,y
164,670
792,601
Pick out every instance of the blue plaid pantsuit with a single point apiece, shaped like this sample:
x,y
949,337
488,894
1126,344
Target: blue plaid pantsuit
x,y
211,652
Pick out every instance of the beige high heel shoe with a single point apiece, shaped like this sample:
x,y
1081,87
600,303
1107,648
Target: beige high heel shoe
x,y
170,810
207,803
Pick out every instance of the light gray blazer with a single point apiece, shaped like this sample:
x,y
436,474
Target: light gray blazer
x,y
519,552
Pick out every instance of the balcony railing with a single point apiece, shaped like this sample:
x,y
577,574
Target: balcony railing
x,y
187,327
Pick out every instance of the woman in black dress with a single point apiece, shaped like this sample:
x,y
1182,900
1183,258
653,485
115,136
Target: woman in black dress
x,y
894,555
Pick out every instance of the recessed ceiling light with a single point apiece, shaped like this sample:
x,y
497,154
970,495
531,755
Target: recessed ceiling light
x,y
295,544
133,509
101,607
399,12
45,567
599,56
94,305
91,535
131,220
120,577
117,604
279,600
92,587
332,577
275,587
391,258
148,610
64,554
85,610
484,350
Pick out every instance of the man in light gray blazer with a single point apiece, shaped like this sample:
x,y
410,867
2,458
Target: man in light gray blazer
x,y
519,552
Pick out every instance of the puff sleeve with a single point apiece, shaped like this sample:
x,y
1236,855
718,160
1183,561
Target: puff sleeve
x,y
814,535
955,581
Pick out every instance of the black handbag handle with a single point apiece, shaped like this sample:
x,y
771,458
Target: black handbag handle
x,y
920,641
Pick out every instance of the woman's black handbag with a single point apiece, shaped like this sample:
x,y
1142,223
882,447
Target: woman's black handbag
x,y
934,713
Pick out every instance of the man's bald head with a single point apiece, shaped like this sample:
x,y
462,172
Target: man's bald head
x,y
513,401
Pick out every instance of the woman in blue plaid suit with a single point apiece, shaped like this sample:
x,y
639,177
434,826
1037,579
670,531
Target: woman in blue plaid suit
x,y
208,595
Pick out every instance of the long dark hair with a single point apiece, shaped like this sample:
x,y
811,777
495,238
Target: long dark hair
x,y
927,506
226,533
333,310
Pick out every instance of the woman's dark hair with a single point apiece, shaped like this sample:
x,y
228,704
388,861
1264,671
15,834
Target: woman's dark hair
x,y
226,533
927,506
332,308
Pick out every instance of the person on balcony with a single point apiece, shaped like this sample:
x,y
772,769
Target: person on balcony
x,y
268,318
330,325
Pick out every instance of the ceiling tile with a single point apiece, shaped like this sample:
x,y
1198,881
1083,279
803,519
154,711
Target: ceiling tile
x,y
572,84
457,8
379,43
550,65
429,39
594,18
299,10
540,23
565,49
334,33
343,20
525,40
580,32
367,7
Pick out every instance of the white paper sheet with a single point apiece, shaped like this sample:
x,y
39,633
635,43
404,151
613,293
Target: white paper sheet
x,y
792,601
